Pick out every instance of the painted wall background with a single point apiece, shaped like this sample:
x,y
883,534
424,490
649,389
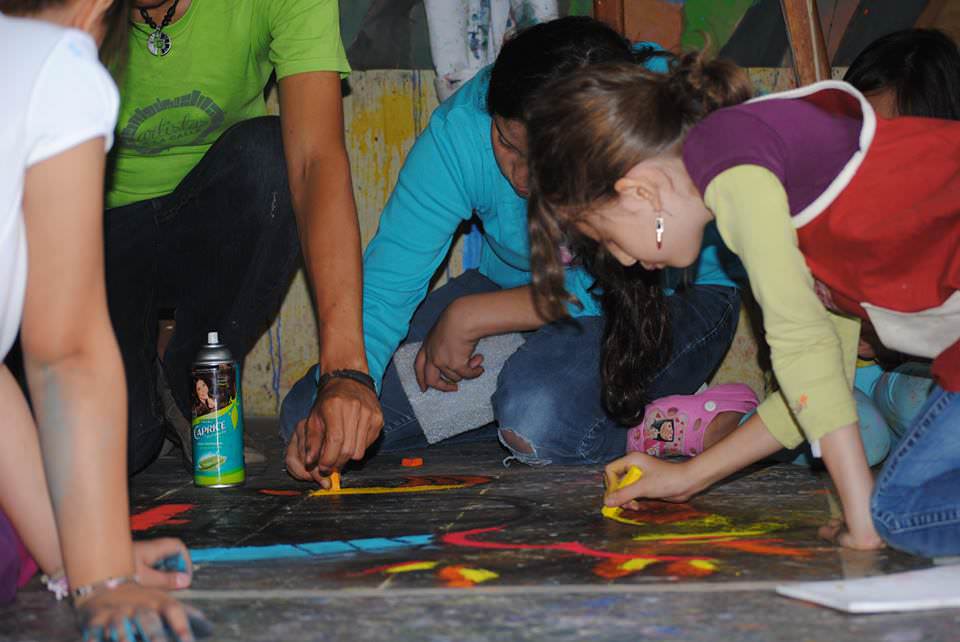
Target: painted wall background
x,y
386,109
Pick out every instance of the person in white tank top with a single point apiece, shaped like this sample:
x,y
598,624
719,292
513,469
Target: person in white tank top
x,y
56,123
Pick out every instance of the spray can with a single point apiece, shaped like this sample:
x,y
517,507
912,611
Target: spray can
x,y
217,417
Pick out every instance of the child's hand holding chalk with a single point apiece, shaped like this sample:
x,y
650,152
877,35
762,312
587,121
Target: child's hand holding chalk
x,y
163,563
615,483
665,480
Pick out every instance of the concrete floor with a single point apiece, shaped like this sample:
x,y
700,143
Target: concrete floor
x,y
465,549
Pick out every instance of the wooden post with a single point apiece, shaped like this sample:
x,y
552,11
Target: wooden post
x,y
611,12
810,60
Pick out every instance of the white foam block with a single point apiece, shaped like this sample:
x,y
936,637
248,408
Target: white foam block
x,y
444,414
932,588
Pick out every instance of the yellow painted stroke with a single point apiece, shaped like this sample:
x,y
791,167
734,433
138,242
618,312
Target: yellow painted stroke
x,y
412,566
478,575
656,537
385,490
638,563
703,565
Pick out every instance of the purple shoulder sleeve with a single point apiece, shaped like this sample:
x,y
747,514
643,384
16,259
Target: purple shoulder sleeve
x,y
731,137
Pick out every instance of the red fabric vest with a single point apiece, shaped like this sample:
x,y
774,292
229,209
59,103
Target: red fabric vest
x,y
886,233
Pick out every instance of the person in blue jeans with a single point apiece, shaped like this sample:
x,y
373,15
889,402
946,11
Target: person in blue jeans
x,y
916,501
471,160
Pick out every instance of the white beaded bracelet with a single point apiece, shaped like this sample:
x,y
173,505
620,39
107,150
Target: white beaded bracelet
x,y
56,585
108,584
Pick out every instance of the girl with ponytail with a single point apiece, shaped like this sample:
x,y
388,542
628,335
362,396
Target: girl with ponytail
x,y
637,166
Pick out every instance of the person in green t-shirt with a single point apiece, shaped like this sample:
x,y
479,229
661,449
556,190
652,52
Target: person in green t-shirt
x,y
210,202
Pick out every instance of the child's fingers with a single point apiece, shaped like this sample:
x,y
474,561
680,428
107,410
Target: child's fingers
x,y
613,471
624,495
200,626
831,530
175,618
171,581
166,554
129,631
151,627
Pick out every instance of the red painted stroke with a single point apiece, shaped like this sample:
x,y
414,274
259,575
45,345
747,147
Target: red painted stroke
x,y
280,493
464,481
464,538
764,547
159,516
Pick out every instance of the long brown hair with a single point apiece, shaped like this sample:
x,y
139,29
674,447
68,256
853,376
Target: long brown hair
x,y
584,132
116,19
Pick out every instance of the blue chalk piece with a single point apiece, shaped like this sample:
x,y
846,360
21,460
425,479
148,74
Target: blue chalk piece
x,y
336,547
247,553
172,563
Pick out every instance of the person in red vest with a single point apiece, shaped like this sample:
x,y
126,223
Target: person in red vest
x,y
837,216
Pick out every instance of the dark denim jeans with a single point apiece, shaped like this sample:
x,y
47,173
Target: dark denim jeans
x,y
916,502
220,250
548,392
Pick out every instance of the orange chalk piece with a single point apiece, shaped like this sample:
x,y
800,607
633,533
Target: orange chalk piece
x,y
411,462
334,481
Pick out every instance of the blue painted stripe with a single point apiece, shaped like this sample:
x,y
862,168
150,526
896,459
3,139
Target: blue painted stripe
x,y
306,550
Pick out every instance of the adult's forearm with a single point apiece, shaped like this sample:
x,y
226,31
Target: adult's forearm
x,y
80,403
330,241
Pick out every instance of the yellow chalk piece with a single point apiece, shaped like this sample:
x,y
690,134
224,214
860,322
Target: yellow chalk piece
x,y
616,514
334,482
632,475
412,566
703,565
611,512
477,575
637,564
385,490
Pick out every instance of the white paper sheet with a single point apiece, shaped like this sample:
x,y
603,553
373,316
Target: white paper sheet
x,y
932,588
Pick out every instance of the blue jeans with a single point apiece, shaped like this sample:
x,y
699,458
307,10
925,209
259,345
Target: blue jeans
x,y
549,392
916,502
220,249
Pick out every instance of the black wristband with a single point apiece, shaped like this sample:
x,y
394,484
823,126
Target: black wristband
x,y
356,375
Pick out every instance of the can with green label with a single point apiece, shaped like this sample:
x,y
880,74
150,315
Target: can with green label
x,y
217,417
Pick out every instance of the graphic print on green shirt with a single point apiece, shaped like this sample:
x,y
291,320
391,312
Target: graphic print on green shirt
x,y
223,53
182,121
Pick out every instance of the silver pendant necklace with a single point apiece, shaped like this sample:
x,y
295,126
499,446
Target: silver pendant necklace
x,y
158,42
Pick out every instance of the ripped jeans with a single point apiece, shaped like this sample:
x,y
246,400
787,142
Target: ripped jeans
x,y
549,392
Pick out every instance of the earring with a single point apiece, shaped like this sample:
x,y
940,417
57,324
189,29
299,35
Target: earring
x,y
659,228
